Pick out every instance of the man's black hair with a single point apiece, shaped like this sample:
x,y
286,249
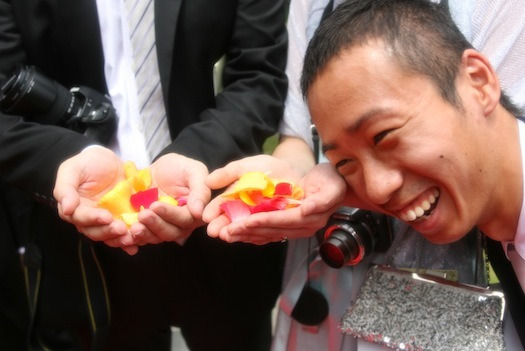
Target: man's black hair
x,y
421,35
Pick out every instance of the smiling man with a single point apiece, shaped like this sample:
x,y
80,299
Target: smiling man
x,y
415,121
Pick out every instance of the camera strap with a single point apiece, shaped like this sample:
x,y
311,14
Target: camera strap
x,y
97,298
31,263
96,295
311,308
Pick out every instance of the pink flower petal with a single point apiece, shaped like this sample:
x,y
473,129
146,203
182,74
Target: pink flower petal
x,y
235,210
181,200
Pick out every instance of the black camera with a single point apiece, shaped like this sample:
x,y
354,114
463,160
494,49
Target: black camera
x,y
351,234
29,93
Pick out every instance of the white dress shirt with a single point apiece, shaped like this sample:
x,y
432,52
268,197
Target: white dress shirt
x,y
516,250
129,143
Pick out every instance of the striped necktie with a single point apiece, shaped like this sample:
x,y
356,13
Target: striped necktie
x,y
145,66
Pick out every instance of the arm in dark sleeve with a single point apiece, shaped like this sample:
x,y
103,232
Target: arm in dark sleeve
x,y
30,153
250,105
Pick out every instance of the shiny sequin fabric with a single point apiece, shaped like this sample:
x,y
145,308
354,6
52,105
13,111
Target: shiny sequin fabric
x,y
406,311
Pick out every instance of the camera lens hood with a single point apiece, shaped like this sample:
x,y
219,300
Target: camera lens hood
x,y
344,245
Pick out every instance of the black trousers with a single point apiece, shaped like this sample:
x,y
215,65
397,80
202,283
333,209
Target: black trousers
x,y
221,295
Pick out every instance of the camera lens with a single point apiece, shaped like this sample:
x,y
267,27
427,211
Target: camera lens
x,y
344,245
29,93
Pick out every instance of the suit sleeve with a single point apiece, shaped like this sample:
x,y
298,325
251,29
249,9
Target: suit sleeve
x,y
249,107
30,153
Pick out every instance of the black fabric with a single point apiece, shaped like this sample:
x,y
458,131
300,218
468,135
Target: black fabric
x,y
514,295
205,287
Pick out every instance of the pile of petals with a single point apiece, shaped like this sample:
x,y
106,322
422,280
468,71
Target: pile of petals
x,y
256,192
129,196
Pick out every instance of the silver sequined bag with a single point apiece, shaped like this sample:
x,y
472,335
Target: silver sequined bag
x,y
411,312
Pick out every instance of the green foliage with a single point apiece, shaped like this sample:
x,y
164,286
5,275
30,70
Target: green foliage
x,y
270,144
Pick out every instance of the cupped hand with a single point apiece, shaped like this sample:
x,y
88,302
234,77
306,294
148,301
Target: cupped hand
x,y
81,181
226,176
324,191
177,176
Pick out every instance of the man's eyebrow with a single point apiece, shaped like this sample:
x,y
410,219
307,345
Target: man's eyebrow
x,y
328,147
354,127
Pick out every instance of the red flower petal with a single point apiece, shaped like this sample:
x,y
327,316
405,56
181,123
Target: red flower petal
x,y
284,189
235,210
270,204
144,198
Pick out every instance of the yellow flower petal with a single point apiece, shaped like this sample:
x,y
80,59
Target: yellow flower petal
x,y
116,200
250,197
130,217
130,169
252,181
140,179
297,192
168,199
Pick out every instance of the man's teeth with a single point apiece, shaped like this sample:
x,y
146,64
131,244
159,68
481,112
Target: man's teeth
x,y
423,209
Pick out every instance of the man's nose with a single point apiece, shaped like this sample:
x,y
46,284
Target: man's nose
x,y
381,181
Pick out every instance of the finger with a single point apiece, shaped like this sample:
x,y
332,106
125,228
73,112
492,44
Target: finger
x,y
178,216
130,250
120,241
289,218
104,232
269,234
199,195
224,176
90,216
256,240
166,227
212,210
321,201
215,226
67,197
142,235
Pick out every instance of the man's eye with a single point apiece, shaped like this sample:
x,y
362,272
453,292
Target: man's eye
x,y
340,163
345,167
381,136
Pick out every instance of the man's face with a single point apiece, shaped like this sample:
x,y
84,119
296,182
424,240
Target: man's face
x,y
401,148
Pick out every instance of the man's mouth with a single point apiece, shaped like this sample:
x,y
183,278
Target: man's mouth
x,y
421,210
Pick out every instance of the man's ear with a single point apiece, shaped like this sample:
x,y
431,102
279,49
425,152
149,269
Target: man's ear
x,y
482,78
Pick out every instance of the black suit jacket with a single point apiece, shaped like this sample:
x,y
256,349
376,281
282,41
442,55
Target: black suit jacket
x,y
62,38
164,284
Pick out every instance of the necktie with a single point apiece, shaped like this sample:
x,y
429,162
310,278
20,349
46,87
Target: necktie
x,y
145,66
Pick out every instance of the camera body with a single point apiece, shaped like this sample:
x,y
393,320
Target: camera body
x,y
30,94
351,234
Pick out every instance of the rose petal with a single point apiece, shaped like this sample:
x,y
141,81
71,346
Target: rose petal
x,y
252,181
251,197
181,200
283,189
235,210
168,200
129,218
270,204
144,198
140,179
297,192
116,200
